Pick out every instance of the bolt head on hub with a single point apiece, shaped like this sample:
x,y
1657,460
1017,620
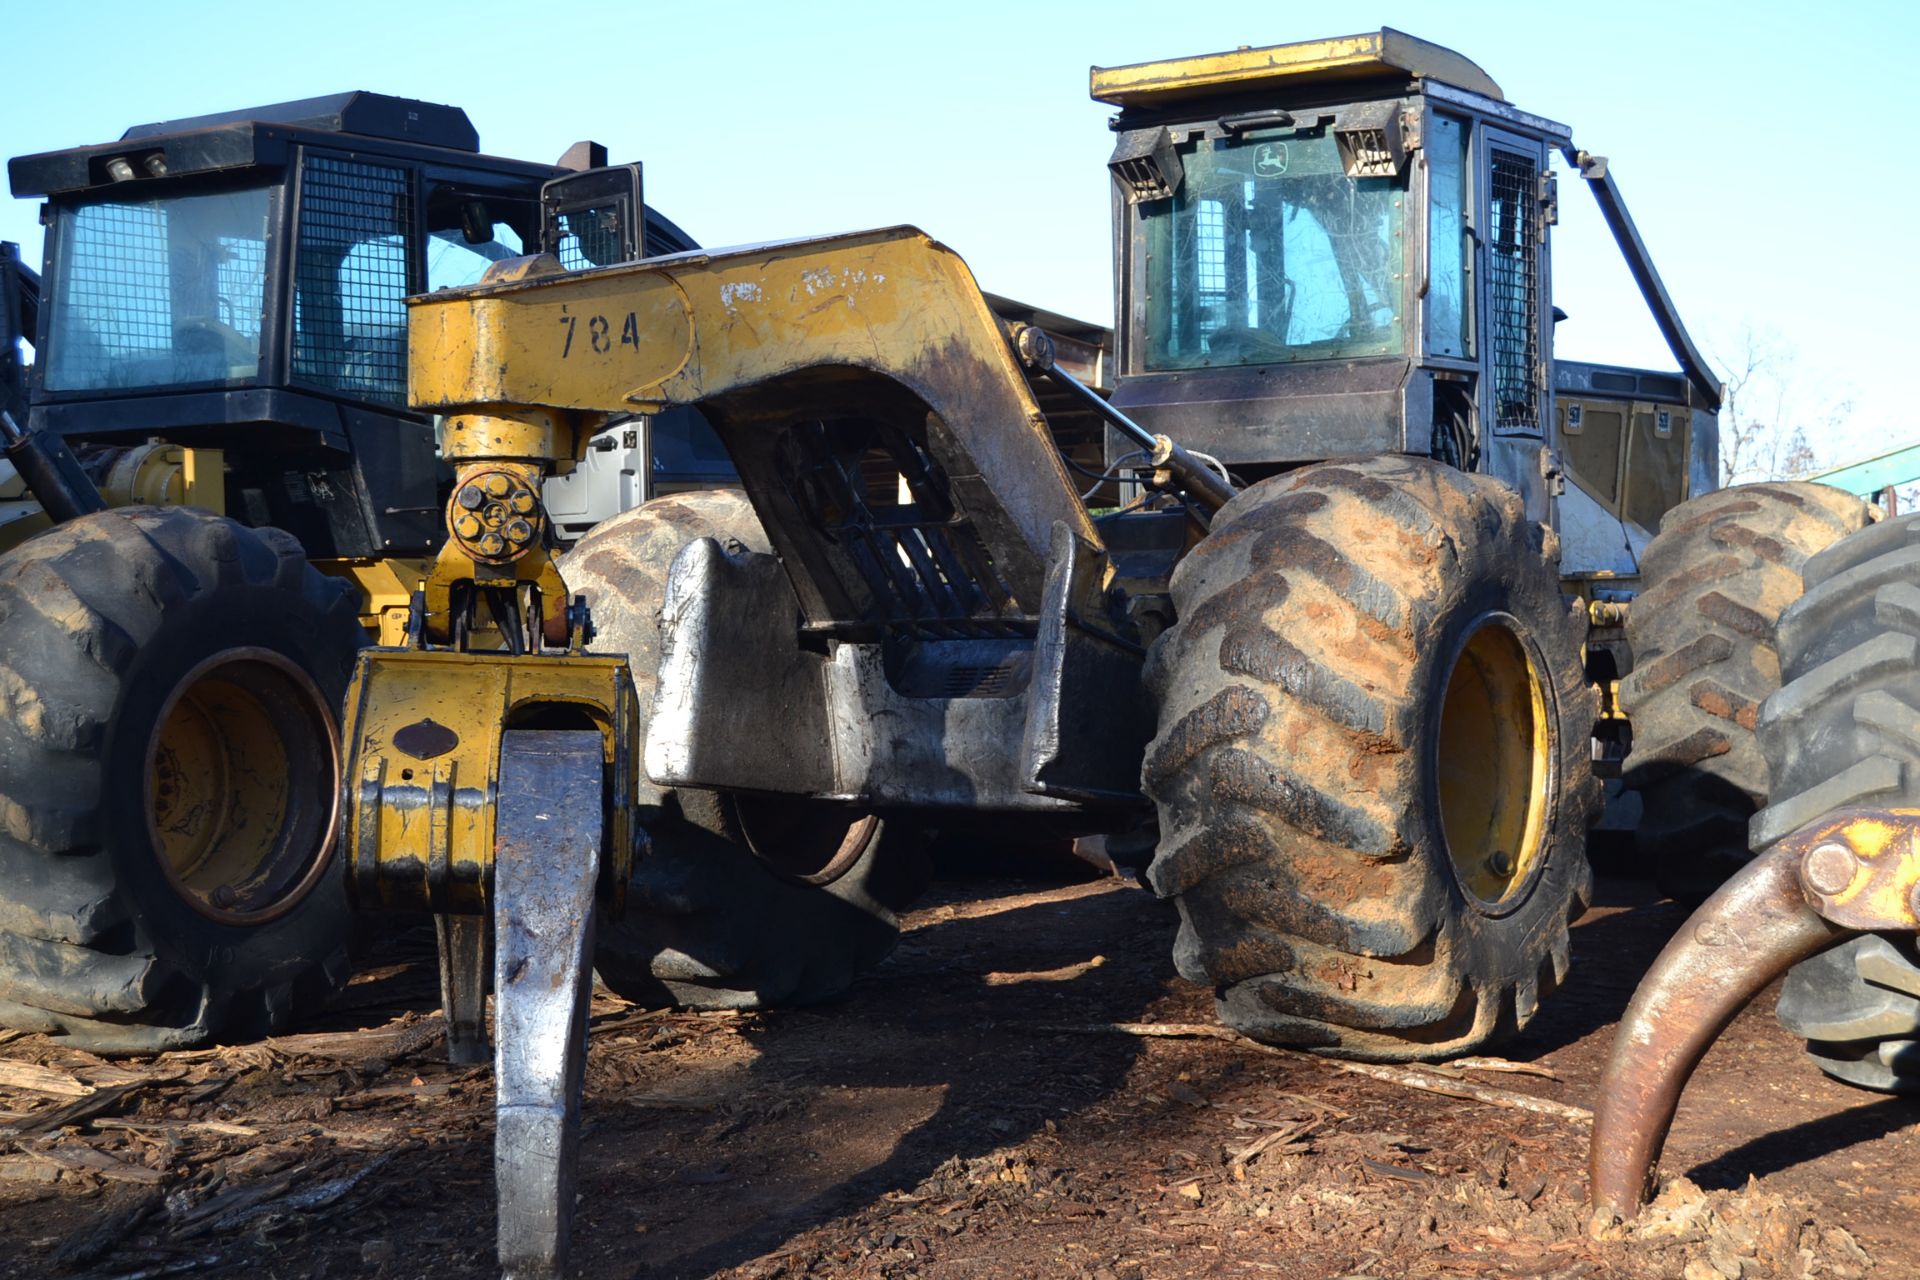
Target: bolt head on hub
x,y
495,515
1830,868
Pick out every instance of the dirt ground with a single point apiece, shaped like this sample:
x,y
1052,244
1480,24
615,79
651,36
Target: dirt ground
x,y
962,1114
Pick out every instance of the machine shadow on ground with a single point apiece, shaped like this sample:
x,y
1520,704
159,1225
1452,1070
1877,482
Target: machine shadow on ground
x,y
1803,1143
1613,943
935,1051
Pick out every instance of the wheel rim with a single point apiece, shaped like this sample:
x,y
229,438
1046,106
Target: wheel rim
x,y
242,786
1493,760
804,840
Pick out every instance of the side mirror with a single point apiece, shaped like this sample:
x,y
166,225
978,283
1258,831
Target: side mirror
x,y
476,221
595,218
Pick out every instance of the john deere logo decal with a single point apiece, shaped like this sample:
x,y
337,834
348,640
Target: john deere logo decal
x,y
1270,160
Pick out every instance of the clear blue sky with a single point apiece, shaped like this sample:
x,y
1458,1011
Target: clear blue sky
x,y
1763,147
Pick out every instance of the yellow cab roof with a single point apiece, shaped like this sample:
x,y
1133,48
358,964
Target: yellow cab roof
x,y
1307,62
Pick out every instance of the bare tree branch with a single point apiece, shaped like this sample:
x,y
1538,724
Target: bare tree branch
x,y
1768,431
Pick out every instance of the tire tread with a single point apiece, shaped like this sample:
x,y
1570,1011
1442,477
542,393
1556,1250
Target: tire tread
x,y
77,605
1715,581
1287,768
1843,730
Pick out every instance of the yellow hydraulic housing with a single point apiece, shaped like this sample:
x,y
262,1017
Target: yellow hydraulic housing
x,y
425,720
152,474
386,588
425,764
161,474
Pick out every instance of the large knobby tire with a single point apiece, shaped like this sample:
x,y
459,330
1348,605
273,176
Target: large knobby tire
x,y
170,683
1845,729
738,901
1714,582
1373,765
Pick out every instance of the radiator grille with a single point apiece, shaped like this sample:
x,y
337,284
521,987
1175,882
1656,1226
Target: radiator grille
x,y
1143,178
961,668
1513,286
351,278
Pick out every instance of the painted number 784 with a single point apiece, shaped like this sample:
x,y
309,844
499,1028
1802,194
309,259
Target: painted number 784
x,y
599,335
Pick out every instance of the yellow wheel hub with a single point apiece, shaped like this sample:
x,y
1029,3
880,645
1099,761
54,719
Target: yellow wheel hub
x,y
242,786
1494,763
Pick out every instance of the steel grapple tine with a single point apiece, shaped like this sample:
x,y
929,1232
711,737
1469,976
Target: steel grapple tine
x,y
1756,927
463,985
549,834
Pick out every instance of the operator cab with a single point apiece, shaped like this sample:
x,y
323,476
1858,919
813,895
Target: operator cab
x,y
1342,247
237,282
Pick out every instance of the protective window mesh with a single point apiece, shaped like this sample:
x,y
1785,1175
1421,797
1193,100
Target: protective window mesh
x,y
589,238
116,274
1513,285
1210,251
158,292
351,278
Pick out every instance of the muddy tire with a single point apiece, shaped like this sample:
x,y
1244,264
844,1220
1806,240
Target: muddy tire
x,y
1841,731
1373,763
170,683
739,902
1714,582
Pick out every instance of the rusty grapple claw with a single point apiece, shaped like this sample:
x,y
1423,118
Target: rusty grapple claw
x,y
549,841
1857,870
550,832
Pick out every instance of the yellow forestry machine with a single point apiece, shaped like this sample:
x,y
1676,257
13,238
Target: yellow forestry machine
x,y
220,361
1320,621
1302,628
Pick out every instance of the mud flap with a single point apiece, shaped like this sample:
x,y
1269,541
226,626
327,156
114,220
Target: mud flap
x,y
1089,719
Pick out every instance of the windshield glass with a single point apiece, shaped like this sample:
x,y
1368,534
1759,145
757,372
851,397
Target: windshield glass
x,y
158,293
1269,252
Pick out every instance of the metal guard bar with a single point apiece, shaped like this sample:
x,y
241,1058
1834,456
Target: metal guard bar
x,y
1614,209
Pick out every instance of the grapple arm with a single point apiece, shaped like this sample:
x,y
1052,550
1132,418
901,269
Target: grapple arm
x,y
1852,872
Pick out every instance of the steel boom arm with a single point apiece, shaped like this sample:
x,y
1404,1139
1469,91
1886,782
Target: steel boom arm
x,y
877,322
